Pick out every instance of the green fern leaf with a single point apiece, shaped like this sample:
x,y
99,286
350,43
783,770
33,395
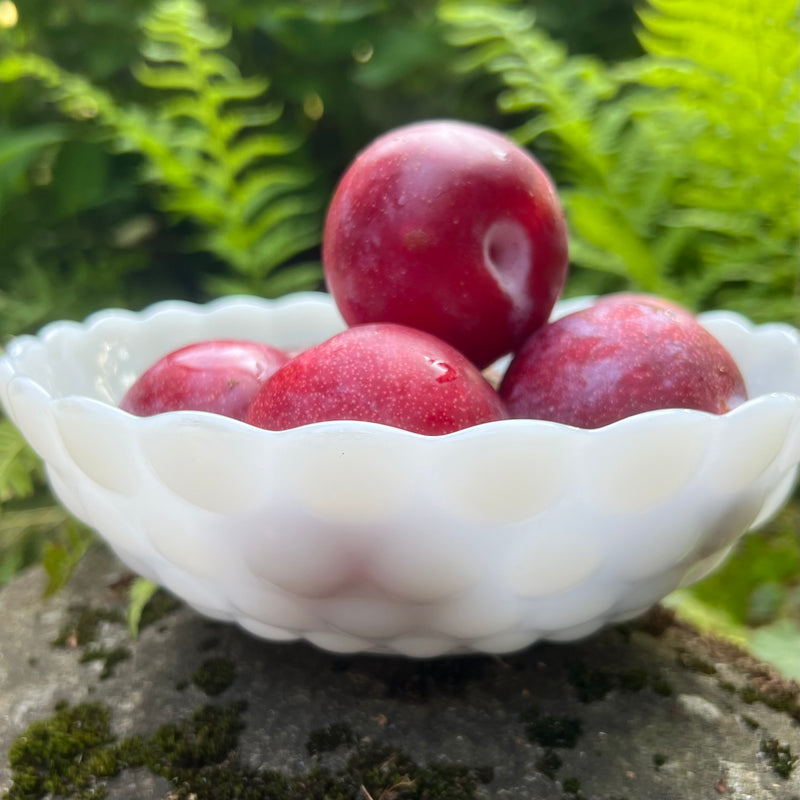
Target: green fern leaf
x,y
218,161
603,157
256,189
63,553
19,465
678,169
182,23
139,595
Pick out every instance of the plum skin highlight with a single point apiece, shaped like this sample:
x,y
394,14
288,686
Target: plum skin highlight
x,y
624,355
384,373
451,228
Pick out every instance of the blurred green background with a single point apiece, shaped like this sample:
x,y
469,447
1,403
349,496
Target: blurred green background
x,y
186,150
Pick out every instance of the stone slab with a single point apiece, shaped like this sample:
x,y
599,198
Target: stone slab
x,y
647,711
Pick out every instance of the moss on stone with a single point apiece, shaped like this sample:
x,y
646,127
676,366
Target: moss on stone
x,y
694,663
209,643
633,680
50,758
556,731
781,696
571,786
550,731
748,694
73,753
751,723
81,628
381,770
777,696
662,686
109,657
779,757
549,763
209,736
331,737
444,781
214,676
157,607
484,774
416,681
590,683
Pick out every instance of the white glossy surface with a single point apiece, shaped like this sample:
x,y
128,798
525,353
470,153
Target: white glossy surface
x,y
360,537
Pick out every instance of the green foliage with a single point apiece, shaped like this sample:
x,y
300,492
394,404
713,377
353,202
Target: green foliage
x,y
18,463
667,185
62,553
18,150
735,66
604,28
139,595
26,521
211,149
214,150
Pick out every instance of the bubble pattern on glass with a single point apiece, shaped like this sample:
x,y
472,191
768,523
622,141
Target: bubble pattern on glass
x,y
362,538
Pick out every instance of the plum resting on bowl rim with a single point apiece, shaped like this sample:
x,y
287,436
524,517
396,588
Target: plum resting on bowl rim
x,y
360,537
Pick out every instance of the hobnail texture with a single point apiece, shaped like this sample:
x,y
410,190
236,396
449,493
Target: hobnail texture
x,y
363,538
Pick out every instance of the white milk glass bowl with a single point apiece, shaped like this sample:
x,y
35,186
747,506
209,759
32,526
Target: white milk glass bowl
x,y
360,537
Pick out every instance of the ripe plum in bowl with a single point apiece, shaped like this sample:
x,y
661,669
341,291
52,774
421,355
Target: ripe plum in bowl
x,y
359,537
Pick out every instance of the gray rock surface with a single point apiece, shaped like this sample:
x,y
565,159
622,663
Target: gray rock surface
x,y
647,711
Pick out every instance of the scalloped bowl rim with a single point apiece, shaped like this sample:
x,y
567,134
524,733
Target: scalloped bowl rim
x,y
19,344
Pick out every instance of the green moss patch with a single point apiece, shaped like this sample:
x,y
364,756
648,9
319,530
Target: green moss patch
x,y
571,786
214,676
329,738
71,754
696,664
53,756
662,686
109,658
81,627
551,731
416,681
178,750
779,757
777,695
659,759
549,763
592,683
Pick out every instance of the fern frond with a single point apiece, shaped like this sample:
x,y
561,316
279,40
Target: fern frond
x,y
606,164
679,169
256,189
736,62
539,75
178,25
218,161
18,463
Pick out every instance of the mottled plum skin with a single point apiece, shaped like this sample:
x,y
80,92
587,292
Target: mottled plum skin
x,y
624,355
219,376
384,373
450,228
